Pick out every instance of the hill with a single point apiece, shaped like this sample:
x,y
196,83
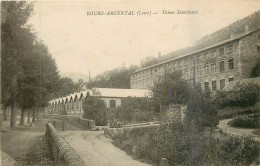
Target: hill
x,y
76,76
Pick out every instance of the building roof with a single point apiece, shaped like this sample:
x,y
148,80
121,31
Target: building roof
x,y
60,100
200,50
120,93
73,96
77,95
64,99
83,94
56,101
67,98
232,84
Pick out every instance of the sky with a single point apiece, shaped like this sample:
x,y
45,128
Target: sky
x,y
81,42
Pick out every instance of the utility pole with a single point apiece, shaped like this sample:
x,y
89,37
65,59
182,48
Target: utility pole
x,y
194,71
89,78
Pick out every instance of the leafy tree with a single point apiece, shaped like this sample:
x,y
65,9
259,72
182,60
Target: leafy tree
x,y
13,47
201,110
95,109
171,88
29,73
116,78
256,69
241,95
132,109
149,61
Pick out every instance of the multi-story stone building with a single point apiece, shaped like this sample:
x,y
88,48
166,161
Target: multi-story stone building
x,y
215,66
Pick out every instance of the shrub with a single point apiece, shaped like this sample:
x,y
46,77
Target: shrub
x,y
186,145
256,132
63,112
201,110
249,121
95,109
233,150
230,112
242,95
132,110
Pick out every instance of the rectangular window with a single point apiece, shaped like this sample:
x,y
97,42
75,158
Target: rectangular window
x,y
231,79
214,85
230,48
199,84
230,64
205,55
213,53
221,51
186,62
213,68
222,84
199,70
186,73
206,69
112,103
206,85
222,66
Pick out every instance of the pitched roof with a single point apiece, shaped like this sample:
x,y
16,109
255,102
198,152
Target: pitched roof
x,y
64,99
56,101
77,95
111,92
67,98
239,36
60,100
83,94
73,96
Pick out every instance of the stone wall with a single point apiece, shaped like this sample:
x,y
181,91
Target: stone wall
x,y
90,124
249,53
111,132
62,152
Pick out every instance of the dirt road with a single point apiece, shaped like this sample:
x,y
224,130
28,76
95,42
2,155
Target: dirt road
x,y
26,145
97,150
223,124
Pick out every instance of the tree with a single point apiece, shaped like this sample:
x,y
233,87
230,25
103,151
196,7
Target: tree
x,y
201,110
256,69
171,88
29,73
116,78
95,109
17,14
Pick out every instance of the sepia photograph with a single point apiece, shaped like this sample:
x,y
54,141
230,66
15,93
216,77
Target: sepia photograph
x,y
130,83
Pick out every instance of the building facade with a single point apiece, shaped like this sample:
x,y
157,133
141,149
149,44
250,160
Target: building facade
x,y
215,66
73,103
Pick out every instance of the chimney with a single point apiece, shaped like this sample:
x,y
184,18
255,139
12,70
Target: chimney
x,y
159,54
246,28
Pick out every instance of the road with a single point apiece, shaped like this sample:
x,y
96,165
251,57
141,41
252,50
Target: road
x,y
223,124
25,145
97,150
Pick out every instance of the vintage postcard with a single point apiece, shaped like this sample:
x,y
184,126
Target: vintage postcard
x,y
123,83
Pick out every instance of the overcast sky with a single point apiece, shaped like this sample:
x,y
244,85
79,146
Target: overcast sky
x,y
80,42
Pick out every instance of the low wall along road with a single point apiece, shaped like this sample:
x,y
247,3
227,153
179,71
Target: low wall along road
x,y
62,152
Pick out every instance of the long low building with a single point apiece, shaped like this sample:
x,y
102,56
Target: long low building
x,y
213,67
72,104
